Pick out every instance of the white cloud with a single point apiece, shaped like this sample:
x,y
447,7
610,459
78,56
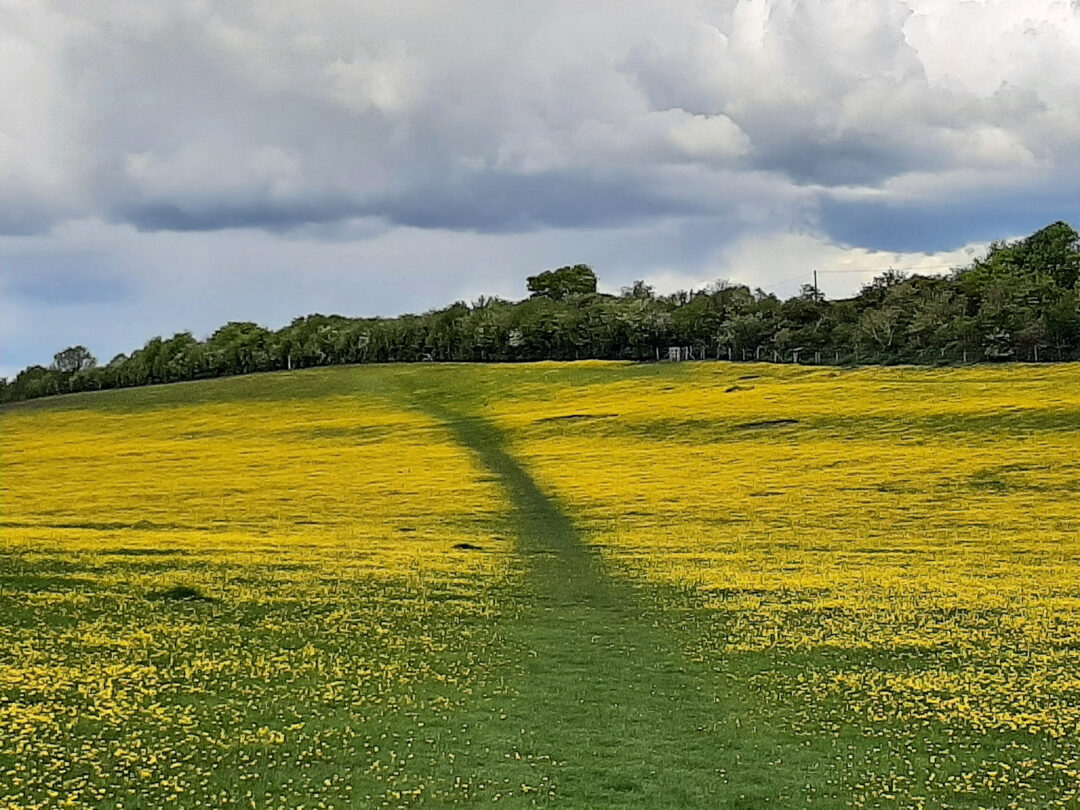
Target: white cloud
x,y
709,136
781,262
388,81
43,158
1018,45
213,170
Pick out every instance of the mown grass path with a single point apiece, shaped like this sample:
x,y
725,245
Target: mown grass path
x,y
606,711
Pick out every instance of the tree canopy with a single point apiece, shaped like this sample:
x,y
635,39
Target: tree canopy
x,y
578,279
72,359
1019,302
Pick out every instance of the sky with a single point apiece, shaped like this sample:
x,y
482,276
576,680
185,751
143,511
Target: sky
x,y
170,166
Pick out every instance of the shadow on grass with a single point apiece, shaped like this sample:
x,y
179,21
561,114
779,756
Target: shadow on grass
x,y
605,709
179,593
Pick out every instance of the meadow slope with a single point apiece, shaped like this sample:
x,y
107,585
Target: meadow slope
x,y
586,584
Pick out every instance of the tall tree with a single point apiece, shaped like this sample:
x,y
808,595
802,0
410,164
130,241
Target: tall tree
x,y
1053,250
72,359
578,279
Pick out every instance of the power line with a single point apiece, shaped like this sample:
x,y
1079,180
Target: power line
x,y
879,270
802,276
782,281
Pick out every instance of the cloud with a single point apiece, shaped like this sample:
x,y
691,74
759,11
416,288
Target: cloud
x,y
708,136
43,175
388,81
208,170
195,116
466,145
928,211
782,262
498,202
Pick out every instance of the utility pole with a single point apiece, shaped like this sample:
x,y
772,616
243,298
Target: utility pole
x,y
817,292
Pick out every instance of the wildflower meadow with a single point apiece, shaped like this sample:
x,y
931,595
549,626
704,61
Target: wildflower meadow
x,y
567,584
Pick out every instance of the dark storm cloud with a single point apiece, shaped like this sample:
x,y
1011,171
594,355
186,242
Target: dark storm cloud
x,y
487,202
933,225
847,160
677,141
208,216
501,203
498,119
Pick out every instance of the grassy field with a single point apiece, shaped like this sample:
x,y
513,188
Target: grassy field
x,y
579,585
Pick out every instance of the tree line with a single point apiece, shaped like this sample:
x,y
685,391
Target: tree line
x,y
1020,302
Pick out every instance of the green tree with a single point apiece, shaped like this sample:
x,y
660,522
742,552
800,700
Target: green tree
x,y
72,359
578,279
240,347
639,289
1021,301
36,381
1063,322
1053,250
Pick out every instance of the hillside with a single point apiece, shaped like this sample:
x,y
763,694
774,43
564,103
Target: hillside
x,y
577,584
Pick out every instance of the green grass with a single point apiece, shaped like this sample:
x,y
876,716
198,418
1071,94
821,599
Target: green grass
x,y
605,708
579,689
